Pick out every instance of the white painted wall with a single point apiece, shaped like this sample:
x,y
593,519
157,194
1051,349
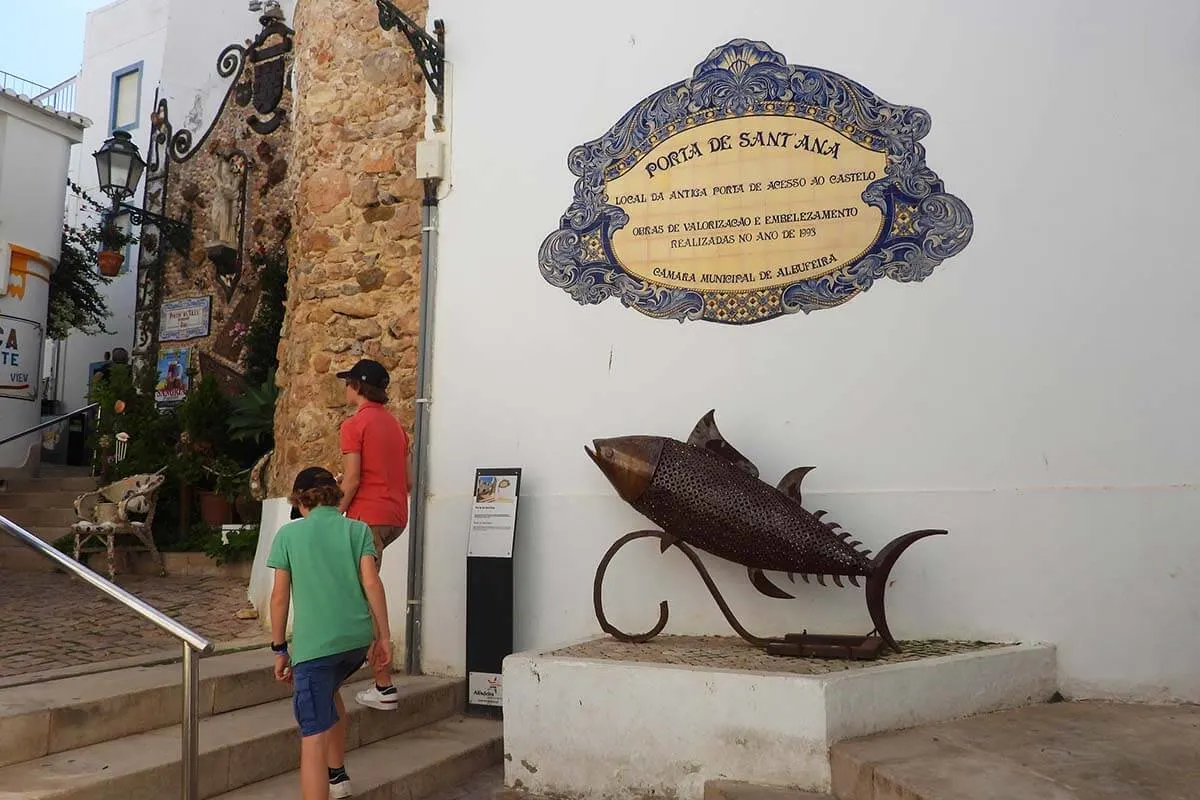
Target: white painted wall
x,y
178,42
1036,396
116,36
35,146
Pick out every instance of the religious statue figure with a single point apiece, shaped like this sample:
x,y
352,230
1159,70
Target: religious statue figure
x,y
223,216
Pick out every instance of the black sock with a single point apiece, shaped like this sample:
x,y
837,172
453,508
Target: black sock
x,y
385,689
338,774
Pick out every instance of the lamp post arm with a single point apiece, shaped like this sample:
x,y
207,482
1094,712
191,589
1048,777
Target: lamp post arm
x,y
177,232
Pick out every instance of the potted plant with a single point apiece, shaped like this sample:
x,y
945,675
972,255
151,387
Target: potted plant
x,y
113,242
228,479
199,461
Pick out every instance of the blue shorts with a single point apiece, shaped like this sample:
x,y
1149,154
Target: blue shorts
x,y
316,683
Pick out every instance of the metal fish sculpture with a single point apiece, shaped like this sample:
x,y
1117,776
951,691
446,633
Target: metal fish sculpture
x,y
707,494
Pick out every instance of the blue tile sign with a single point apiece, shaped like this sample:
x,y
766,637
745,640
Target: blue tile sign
x,y
185,319
754,188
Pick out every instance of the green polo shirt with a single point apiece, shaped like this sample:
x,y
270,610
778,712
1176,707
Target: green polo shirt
x,y
322,552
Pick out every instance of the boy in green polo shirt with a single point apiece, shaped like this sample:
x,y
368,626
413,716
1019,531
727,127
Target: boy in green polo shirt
x,y
325,566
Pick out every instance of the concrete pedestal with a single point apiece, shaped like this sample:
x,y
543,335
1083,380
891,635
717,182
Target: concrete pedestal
x,y
602,728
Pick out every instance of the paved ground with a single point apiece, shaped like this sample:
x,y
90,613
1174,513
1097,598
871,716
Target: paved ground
x,y
731,652
49,621
482,786
1059,751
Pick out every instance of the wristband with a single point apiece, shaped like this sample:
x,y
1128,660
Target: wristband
x,y
279,649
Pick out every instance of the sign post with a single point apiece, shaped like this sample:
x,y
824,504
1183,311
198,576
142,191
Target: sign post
x,y
490,586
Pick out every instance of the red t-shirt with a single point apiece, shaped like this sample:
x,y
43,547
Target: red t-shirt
x,y
382,496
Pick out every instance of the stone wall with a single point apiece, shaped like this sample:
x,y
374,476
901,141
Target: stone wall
x,y
355,250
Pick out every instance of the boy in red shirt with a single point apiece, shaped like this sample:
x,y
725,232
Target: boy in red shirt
x,y
375,482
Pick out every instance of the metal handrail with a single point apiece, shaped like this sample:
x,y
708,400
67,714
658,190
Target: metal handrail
x,y
194,646
50,423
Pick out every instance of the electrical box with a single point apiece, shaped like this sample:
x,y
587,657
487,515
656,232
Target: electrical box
x,y
431,159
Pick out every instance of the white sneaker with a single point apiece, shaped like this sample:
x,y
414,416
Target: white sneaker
x,y
383,701
341,790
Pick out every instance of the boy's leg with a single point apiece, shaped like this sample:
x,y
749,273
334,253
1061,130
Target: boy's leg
x,y
383,675
315,685
314,778
335,741
382,695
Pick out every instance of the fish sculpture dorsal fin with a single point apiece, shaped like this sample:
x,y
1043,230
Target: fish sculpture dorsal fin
x,y
706,436
790,483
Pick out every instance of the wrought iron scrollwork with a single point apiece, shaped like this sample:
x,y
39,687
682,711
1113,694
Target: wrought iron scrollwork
x,y
429,50
663,608
177,232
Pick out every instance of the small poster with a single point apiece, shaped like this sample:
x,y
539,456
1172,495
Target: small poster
x,y
185,319
485,689
20,358
494,513
172,386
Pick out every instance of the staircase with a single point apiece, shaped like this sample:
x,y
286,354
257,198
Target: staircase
x,y
43,506
116,736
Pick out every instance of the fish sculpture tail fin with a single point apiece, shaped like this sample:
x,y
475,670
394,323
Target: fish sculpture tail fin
x,y
880,571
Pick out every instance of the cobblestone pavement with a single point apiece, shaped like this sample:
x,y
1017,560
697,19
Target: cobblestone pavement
x,y
49,621
730,652
482,786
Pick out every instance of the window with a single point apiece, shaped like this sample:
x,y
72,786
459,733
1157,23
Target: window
x,y
126,97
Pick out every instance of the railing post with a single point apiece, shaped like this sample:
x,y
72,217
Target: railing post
x,y
191,723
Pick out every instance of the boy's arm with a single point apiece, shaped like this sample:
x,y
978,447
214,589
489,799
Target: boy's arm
x,y
351,475
368,570
281,596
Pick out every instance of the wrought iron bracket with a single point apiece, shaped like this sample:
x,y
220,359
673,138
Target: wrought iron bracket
x,y
177,232
429,50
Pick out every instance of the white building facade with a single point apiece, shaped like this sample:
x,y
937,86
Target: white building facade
x,y
136,51
35,146
1034,396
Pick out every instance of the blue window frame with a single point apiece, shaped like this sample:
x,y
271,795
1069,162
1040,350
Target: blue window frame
x,y
126,98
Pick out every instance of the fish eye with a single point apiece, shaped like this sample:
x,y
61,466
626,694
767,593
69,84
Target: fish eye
x,y
607,452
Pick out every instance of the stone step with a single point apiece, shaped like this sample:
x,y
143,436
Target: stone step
x,y
237,748
55,498
18,558
46,470
78,484
47,533
46,718
35,517
410,766
1055,751
737,790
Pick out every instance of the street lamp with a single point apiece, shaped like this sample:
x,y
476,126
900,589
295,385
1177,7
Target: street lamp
x,y
120,167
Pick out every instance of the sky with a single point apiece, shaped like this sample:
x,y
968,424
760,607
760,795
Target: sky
x,y
45,37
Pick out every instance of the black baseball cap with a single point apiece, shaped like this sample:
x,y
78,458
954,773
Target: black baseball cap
x,y
311,478
369,372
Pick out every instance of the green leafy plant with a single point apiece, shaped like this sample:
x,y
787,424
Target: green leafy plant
x,y
241,546
230,480
253,414
203,416
112,237
76,301
261,341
